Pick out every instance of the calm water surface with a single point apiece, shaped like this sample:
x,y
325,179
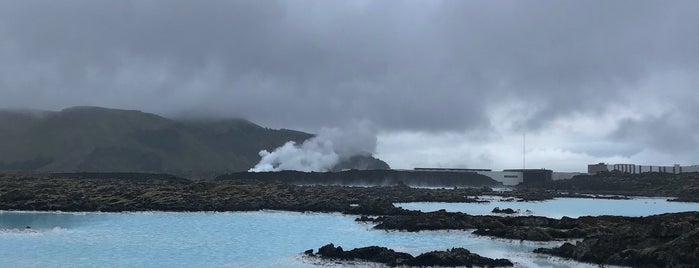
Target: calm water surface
x,y
236,239
559,207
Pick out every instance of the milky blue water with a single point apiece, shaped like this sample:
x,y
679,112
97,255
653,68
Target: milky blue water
x,y
559,207
236,239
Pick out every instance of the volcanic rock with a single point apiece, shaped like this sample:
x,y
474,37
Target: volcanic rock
x,y
452,257
503,211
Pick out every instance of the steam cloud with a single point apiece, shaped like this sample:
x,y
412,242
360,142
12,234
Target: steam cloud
x,y
322,152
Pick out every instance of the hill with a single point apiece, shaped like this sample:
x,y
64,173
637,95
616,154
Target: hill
x,y
95,139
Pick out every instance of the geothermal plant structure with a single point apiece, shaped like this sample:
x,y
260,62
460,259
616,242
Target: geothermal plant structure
x,y
510,176
516,176
637,169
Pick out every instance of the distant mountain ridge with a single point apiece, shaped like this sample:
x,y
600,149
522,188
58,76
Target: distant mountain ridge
x,y
96,139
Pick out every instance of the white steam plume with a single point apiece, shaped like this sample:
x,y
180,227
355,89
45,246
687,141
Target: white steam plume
x,y
322,152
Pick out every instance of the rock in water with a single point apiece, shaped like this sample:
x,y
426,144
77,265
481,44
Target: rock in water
x,y
457,257
380,255
330,251
452,257
504,211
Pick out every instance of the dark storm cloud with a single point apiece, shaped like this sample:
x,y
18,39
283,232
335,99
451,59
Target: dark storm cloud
x,y
662,133
672,131
409,65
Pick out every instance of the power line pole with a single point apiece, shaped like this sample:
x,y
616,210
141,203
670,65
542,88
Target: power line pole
x,y
524,148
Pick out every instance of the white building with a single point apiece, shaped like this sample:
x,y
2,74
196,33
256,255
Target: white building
x,y
506,177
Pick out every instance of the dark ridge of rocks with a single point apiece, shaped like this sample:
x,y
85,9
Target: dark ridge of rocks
x,y
685,185
689,195
119,192
666,240
117,175
489,225
365,218
451,257
523,195
611,185
611,197
692,199
370,177
503,211
372,254
457,257
533,194
520,232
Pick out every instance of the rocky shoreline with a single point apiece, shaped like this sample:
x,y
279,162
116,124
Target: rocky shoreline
x,y
667,240
670,239
164,193
655,241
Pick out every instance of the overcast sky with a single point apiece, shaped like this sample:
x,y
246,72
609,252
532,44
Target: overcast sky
x,y
446,83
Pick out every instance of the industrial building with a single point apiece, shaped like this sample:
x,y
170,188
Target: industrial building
x,y
512,176
636,169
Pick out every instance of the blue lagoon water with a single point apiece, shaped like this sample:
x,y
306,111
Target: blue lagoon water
x,y
235,239
559,207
